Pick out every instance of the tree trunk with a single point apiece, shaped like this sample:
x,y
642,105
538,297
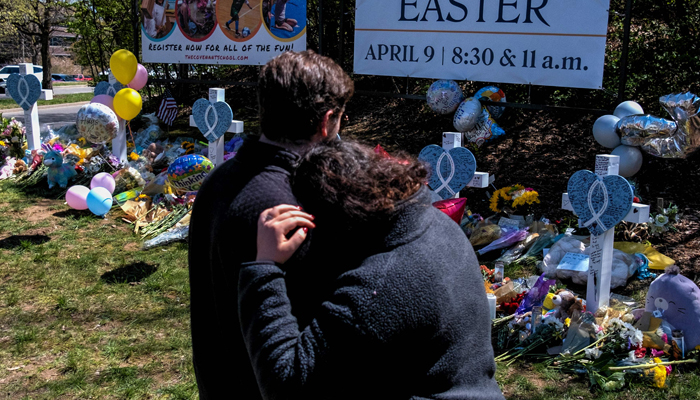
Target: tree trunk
x,y
45,37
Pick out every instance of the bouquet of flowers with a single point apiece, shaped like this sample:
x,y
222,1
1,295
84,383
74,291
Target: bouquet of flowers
x,y
514,199
12,136
664,220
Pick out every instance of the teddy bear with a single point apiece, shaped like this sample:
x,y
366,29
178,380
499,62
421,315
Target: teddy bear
x,y
564,304
20,166
152,151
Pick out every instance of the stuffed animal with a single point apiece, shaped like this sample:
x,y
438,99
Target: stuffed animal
x,y
676,299
153,150
20,167
563,301
6,170
58,172
36,160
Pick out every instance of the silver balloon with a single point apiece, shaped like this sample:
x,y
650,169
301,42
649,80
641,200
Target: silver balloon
x,y
657,137
635,130
683,108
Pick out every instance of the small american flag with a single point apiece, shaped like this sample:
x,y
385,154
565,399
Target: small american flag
x,y
167,111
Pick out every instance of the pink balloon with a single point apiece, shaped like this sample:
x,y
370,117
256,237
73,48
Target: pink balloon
x,y
76,197
104,99
140,79
103,180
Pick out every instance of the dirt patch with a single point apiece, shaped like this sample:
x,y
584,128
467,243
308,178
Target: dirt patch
x,y
41,210
132,247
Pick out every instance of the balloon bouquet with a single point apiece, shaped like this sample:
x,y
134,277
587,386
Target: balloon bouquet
x,y
97,121
475,121
628,130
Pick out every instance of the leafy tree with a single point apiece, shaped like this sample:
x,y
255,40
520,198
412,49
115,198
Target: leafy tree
x,y
37,20
102,26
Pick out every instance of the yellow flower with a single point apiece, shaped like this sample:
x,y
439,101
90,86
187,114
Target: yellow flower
x,y
2,143
134,156
657,374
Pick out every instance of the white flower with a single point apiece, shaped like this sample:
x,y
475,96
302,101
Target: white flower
x,y
593,353
15,139
661,220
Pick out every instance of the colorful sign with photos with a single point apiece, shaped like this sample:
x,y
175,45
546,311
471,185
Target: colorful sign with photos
x,y
249,32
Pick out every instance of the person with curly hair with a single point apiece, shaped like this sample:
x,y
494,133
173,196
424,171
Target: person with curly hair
x,y
407,315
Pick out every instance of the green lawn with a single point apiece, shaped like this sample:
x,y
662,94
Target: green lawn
x,y
70,83
6,104
84,313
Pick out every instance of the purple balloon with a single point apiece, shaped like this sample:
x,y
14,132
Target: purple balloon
x,y
76,197
103,180
105,99
140,79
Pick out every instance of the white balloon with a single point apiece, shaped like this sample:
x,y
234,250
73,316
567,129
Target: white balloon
x,y
444,96
626,108
630,160
604,131
467,115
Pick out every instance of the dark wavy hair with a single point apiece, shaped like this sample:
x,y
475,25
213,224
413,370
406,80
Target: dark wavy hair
x,y
295,90
352,184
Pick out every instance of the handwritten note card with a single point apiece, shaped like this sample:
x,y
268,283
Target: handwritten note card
x,y
574,262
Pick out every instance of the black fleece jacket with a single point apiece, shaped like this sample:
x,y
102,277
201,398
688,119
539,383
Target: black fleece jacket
x,y
223,233
409,322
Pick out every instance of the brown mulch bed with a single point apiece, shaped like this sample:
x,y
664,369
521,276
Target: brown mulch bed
x,y
541,149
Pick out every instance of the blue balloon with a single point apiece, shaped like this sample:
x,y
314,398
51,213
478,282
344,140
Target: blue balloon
x,y
99,201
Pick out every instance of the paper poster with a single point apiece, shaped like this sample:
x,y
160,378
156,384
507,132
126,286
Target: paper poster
x,y
539,42
221,31
574,262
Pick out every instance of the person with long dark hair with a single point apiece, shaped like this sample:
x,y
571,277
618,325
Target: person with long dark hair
x,y
407,315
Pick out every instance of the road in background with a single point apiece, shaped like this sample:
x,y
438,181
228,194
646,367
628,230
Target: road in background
x,y
62,90
56,116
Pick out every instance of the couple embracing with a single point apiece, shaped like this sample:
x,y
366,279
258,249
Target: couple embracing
x,y
320,270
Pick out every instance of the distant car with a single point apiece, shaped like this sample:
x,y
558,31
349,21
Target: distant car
x,y
82,78
58,77
8,70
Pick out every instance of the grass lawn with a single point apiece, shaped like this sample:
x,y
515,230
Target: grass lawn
x,y
70,83
84,313
6,104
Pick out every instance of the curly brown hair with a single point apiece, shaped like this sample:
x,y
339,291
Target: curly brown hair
x,y
352,183
295,90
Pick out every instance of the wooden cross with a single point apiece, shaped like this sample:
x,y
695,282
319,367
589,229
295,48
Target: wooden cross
x,y
216,147
451,140
31,116
600,262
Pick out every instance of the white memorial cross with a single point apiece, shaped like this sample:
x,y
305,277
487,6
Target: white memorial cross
x,y
452,140
216,148
600,263
119,142
31,116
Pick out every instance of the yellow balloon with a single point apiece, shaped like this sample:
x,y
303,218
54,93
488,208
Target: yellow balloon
x,y
123,64
127,103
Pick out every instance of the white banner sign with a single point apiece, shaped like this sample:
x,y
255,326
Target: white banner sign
x,y
221,31
539,42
